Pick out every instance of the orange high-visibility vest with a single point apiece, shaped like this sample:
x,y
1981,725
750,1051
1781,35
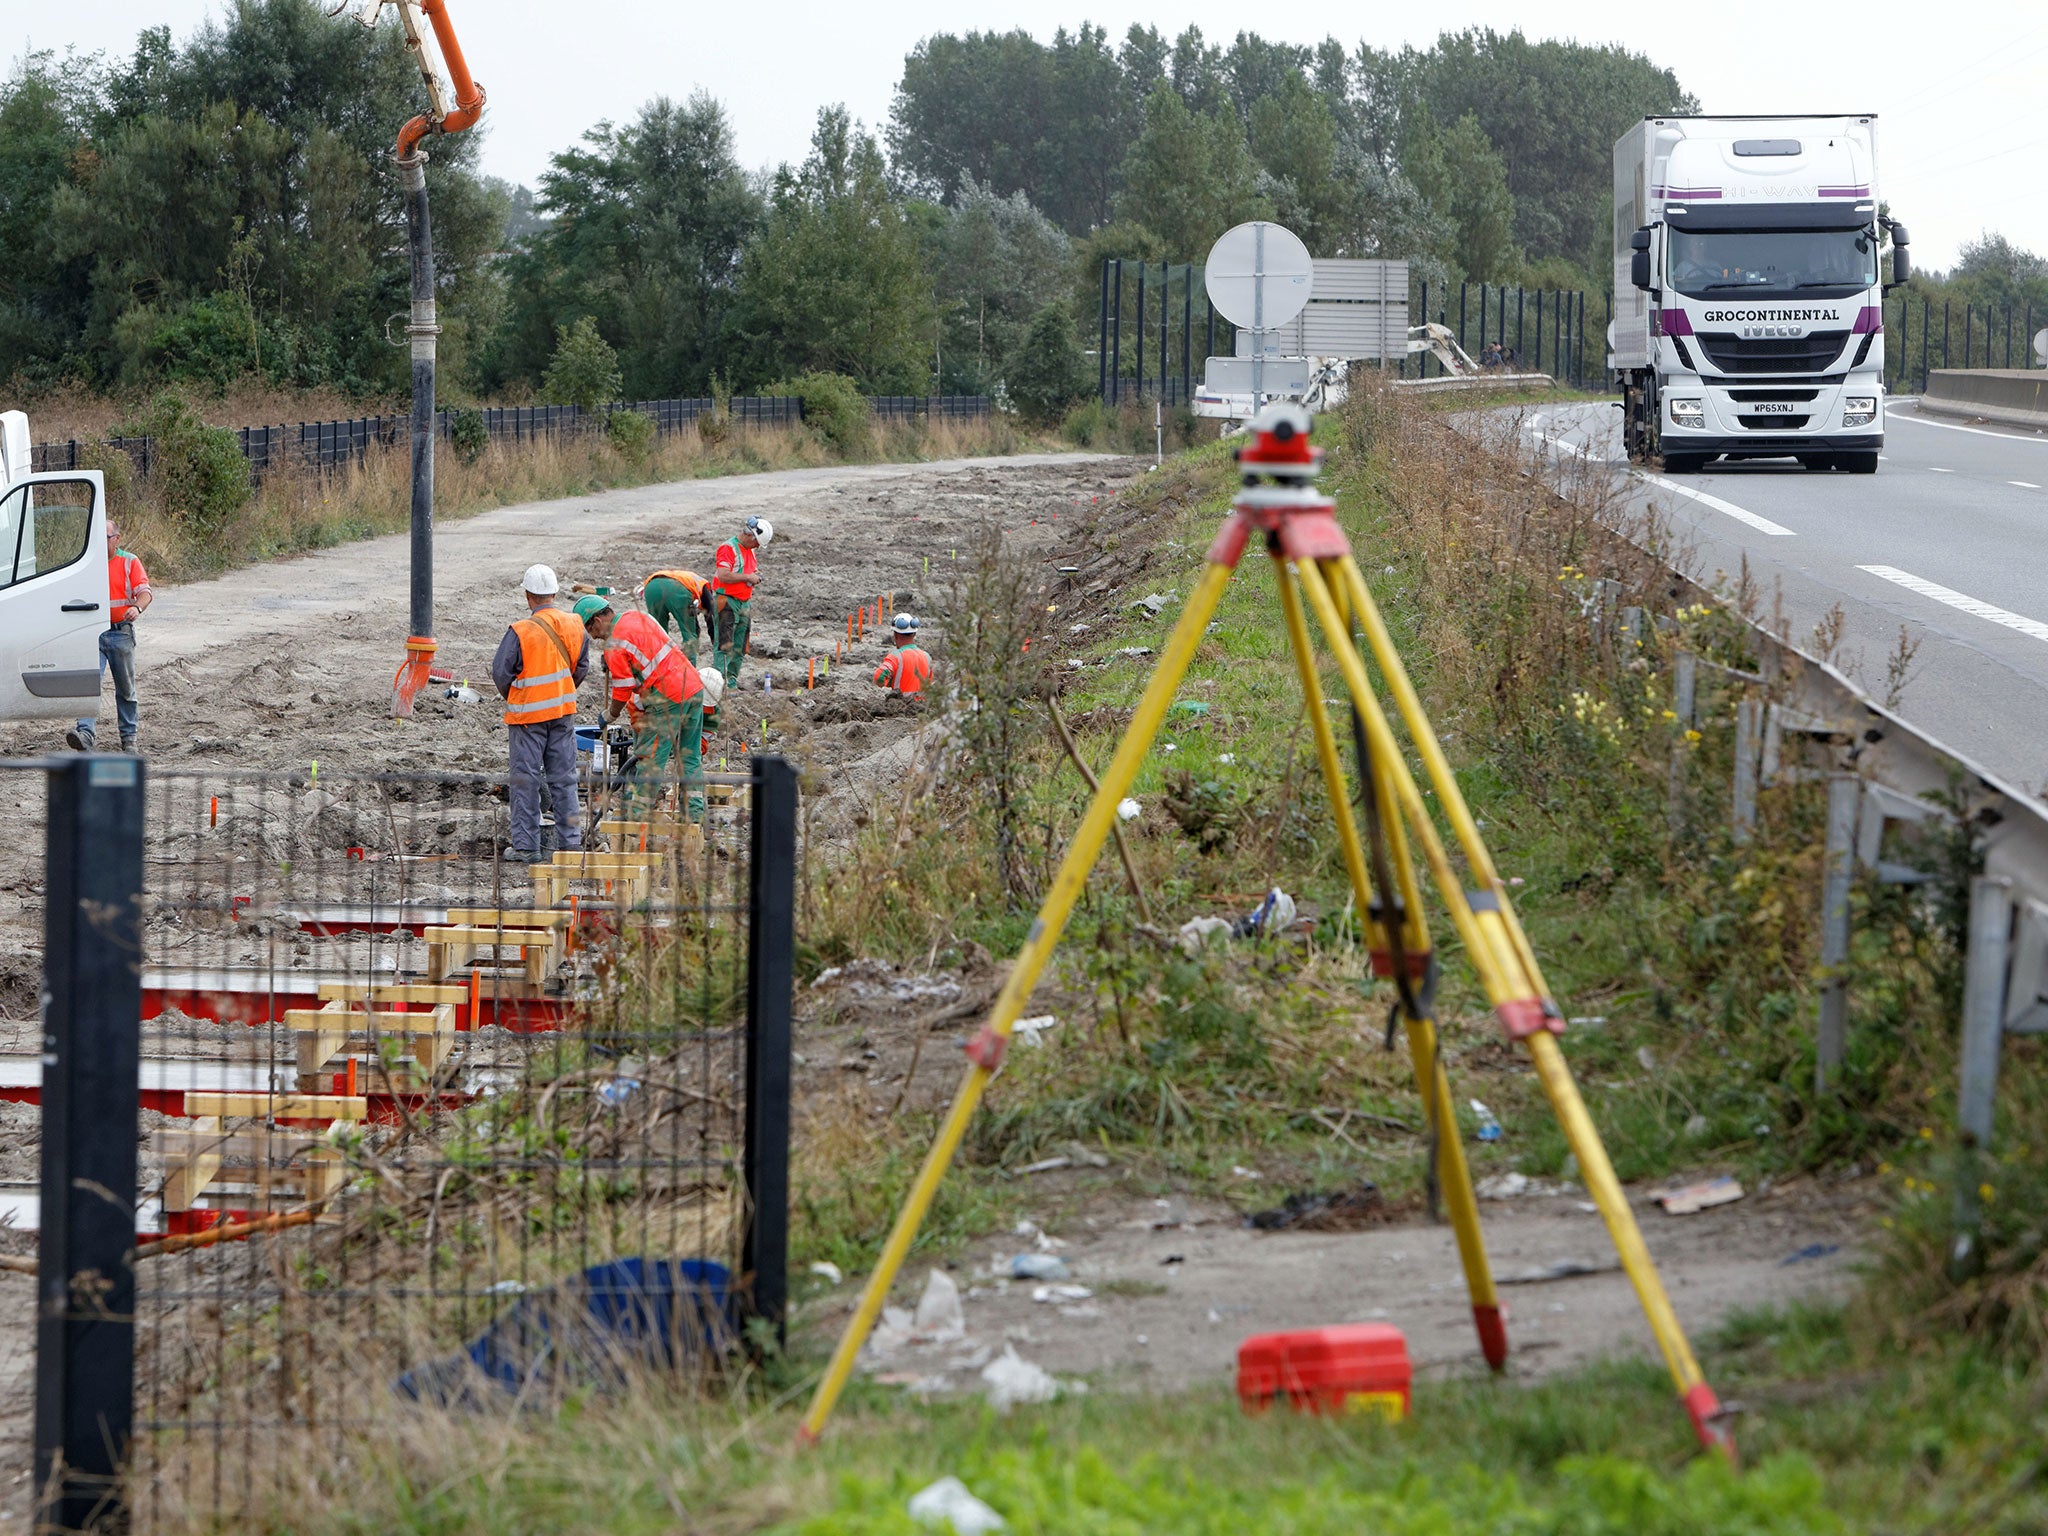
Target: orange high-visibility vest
x,y
734,566
640,656
689,579
906,670
546,686
125,578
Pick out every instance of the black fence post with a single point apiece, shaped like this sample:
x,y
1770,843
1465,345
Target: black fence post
x,y
1422,358
1539,330
1210,343
1102,345
1138,388
1926,329
1165,319
85,1287
1116,339
1461,314
1519,292
771,981
1482,317
1187,334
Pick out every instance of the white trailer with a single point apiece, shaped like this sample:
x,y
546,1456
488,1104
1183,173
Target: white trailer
x,y
1748,290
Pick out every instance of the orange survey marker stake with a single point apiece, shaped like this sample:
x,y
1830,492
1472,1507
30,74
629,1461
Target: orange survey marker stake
x,y
811,681
351,1075
213,812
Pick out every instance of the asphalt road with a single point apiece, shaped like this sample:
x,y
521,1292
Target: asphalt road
x,y
1948,539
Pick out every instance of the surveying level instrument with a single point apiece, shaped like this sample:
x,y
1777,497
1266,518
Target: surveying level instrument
x,y
1317,575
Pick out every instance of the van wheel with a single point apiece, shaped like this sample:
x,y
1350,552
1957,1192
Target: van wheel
x,y
1858,463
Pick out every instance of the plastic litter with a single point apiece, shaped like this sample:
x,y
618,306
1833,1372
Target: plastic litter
x,y
1039,1266
938,1310
1047,1165
948,1504
1274,914
462,695
1809,1254
1489,1128
1197,931
828,1271
1689,1199
1128,809
1012,1380
1503,1186
1031,1031
1226,758
1153,603
1559,1269
1336,1210
1052,1293
616,1090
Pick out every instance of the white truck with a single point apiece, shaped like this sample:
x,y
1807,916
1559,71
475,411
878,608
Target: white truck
x,y
1748,290
53,583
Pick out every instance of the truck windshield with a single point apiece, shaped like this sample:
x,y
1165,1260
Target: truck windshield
x,y
1772,263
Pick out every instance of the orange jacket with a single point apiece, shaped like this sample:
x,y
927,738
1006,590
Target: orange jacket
x,y
689,579
125,578
640,656
734,565
905,670
545,688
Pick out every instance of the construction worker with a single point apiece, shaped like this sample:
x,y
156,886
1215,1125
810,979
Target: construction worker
x,y
734,577
906,669
654,680
679,598
539,663
129,593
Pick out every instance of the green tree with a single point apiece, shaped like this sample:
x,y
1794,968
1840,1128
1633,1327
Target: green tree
x,y
44,122
996,261
1046,374
1460,176
585,370
833,281
1189,177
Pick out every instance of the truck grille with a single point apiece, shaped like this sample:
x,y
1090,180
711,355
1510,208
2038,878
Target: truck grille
x,y
1773,423
1815,353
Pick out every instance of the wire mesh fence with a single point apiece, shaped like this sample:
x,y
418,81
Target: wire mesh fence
x,y
419,1129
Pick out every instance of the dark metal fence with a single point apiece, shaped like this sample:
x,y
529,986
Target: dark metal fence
x,y
1921,336
326,445
1156,328
407,1129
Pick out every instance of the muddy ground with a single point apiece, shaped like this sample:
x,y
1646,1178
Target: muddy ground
x,y
277,667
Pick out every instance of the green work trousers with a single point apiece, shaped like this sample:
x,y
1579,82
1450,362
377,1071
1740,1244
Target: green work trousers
x,y
669,602
733,617
670,742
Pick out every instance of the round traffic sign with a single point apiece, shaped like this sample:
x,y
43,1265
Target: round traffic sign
x,y
1260,275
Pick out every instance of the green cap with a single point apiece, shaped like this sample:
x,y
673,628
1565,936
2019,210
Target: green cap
x,y
588,608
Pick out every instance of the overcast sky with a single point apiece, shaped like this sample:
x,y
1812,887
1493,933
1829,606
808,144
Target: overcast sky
x,y
1962,146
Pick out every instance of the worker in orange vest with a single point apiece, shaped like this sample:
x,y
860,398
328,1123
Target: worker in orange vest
x,y
129,593
660,685
735,574
679,598
906,669
539,663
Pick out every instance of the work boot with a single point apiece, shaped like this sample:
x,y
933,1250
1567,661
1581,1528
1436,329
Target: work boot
x,y
128,745
79,741
520,856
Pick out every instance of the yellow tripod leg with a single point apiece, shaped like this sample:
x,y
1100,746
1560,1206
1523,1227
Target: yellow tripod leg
x,y
985,1052
1454,1178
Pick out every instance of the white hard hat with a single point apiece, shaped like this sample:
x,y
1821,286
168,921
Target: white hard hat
x,y
762,530
904,624
540,581
714,687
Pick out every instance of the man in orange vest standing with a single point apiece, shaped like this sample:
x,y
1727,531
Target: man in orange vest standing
x,y
539,663
128,591
653,679
905,670
734,577
680,598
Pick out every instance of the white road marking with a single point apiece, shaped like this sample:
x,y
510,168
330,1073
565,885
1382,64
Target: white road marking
x,y
1955,599
1740,514
1933,471
2025,485
1955,426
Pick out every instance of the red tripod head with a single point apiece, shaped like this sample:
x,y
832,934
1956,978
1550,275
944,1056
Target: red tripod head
x,y
1279,447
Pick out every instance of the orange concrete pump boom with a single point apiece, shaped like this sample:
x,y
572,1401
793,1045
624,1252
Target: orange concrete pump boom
x,y
469,96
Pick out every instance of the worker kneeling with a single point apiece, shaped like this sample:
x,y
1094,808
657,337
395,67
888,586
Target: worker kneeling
x,y
654,680
906,669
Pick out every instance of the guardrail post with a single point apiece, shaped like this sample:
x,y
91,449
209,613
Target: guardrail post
x,y
1984,987
1831,1041
1748,726
771,980
85,1277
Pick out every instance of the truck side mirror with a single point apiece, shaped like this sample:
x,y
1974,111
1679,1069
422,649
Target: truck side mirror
x,y
1640,240
1639,269
1902,265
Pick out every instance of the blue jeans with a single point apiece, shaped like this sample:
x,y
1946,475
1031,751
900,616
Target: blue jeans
x,y
117,651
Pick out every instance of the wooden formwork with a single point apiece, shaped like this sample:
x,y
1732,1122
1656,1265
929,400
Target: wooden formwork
x,y
426,1038
268,1158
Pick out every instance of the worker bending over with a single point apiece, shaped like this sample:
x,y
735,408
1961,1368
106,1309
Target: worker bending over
x,y
539,663
906,669
734,577
655,681
679,598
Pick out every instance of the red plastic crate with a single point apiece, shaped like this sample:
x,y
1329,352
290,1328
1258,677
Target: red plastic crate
x,y
1351,1368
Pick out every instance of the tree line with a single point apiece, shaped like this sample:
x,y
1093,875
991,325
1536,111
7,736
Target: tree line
x,y
227,207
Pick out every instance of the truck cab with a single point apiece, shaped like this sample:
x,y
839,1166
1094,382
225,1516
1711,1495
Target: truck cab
x,y
1749,314
53,583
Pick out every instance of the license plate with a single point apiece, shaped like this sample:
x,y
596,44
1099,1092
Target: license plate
x,y
1774,408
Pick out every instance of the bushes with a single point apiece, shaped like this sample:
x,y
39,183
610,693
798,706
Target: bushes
x,y
631,433
1045,375
200,477
468,435
585,370
835,409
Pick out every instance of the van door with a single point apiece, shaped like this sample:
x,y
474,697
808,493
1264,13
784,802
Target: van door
x,y
53,595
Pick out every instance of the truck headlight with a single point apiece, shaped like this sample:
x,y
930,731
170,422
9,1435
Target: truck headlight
x,y
1687,413
1859,410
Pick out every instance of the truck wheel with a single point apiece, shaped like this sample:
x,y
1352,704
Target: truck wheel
x,y
1858,463
1684,463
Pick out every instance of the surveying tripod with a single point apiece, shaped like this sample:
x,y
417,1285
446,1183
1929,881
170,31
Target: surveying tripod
x,y
1317,575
